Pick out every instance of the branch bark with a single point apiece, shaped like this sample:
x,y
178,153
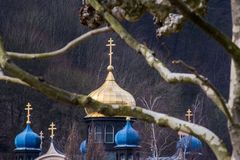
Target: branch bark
x,y
72,44
13,80
160,119
225,41
158,65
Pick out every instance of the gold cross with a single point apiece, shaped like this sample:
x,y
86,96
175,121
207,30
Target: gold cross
x,y
28,109
52,128
41,137
110,45
189,115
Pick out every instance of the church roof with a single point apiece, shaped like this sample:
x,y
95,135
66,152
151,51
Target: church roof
x,y
127,137
52,153
83,147
110,92
27,140
190,144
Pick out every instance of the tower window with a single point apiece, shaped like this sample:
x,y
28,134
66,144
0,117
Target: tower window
x,y
98,134
109,134
122,156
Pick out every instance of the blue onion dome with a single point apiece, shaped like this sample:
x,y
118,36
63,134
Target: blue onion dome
x,y
27,139
83,147
127,137
190,144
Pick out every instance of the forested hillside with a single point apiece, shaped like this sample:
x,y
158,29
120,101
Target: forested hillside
x,y
40,26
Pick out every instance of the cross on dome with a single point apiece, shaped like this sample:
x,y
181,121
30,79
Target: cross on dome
x,y
110,45
28,109
41,137
52,129
189,115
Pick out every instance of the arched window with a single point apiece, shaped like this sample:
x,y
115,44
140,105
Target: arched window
x,y
98,134
109,134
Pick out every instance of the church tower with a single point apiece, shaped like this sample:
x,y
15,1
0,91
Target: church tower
x,y
27,142
102,129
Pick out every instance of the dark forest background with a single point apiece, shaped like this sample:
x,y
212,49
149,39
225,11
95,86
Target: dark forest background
x,y
41,26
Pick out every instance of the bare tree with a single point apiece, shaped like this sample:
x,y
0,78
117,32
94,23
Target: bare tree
x,y
72,145
153,137
95,150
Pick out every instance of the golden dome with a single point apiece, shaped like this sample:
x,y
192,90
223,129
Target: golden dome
x,y
110,93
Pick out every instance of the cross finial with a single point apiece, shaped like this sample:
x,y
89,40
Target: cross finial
x,y
189,115
28,109
52,129
110,45
41,138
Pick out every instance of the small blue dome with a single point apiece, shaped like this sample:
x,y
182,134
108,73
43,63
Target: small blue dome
x,y
83,147
190,144
127,137
27,139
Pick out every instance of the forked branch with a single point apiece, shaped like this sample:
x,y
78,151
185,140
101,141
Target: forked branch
x,y
158,65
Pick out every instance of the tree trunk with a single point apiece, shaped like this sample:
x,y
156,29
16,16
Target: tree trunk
x,y
234,93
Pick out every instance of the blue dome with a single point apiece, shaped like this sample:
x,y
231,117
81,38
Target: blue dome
x,y
127,137
83,147
27,139
190,144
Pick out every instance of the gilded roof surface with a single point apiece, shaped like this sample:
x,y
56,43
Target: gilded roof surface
x,y
110,92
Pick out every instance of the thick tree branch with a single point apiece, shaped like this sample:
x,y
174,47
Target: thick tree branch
x,y
72,44
164,72
225,41
142,114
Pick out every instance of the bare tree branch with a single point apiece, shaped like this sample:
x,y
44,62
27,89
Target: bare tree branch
x,y
72,44
160,119
225,41
158,65
12,80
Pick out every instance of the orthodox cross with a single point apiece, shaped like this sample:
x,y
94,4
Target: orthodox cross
x,y
189,115
110,45
41,137
52,128
28,109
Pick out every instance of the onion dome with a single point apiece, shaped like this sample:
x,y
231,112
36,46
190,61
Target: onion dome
x,y
127,137
190,144
83,147
27,139
52,153
110,92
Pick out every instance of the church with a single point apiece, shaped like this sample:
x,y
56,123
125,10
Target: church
x,y
111,138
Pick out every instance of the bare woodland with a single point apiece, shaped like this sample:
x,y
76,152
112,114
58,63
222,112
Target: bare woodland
x,y
169,16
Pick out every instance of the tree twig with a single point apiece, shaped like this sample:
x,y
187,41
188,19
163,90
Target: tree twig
x,y
72,44
13,80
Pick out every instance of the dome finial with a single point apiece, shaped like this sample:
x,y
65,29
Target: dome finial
x,y
52,129
28,109
110,45
41,138
189,115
